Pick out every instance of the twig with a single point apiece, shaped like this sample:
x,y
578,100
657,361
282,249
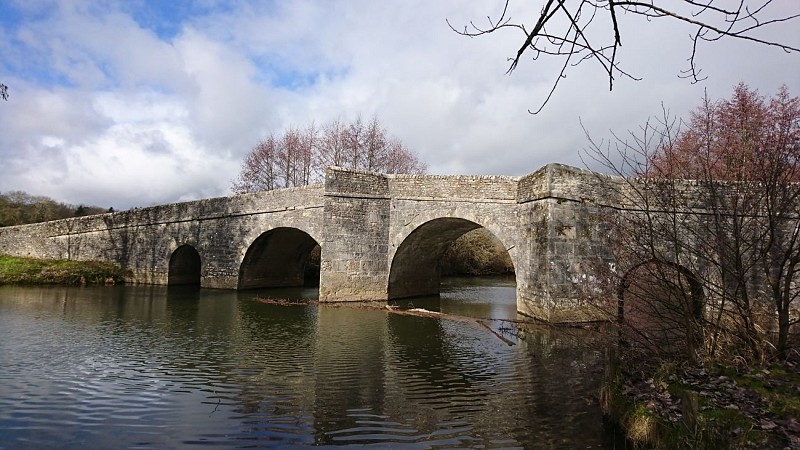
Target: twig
x,y
285,302
502,338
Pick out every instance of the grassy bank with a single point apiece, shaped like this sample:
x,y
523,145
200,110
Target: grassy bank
x,y
14,270
714,407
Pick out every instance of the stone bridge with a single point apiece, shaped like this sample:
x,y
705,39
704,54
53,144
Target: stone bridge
x,y
381,236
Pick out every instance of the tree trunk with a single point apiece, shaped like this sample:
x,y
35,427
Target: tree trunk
x,y
783,331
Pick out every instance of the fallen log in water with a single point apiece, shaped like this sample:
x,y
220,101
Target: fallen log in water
x,y
285,302
499,336
417,312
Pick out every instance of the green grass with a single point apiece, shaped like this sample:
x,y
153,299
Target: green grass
x,y
715,427
726,428
776,385
15,270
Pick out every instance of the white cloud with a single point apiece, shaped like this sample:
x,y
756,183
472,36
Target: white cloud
x,y
107,110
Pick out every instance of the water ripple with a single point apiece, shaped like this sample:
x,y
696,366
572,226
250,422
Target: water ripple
x,y
139,367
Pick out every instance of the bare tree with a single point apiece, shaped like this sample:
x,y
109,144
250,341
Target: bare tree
x,y
3,91
724,243
308,148
355,139
375,145
332,146
590,30
294,157
399,159
299,156
258,169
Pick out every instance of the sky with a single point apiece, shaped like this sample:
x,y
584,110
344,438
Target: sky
x,y
133,103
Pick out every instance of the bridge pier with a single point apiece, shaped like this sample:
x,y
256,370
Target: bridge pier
x,y
564,213
354,263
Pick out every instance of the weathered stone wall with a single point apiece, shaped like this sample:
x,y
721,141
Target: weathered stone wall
x,y
429,212
143,239
381,235
563,215
355,237
570,183
577,240
473,188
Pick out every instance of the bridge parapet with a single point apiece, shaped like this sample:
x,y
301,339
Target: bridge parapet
x,y
142,239
564,182
454,187
345,182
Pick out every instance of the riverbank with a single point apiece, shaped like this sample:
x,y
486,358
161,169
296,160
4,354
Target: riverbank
x,y
31,271
683,406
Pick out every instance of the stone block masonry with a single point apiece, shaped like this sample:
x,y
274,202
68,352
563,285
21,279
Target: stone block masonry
x,y
380,235
355,238
142,240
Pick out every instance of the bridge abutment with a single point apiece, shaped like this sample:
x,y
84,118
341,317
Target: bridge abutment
x,y
565,214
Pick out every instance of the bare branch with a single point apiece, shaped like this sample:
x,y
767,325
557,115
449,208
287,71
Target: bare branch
x,y
567,30
718,206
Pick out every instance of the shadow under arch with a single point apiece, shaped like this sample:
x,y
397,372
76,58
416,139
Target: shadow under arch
x,y
184,266
695,287
659,304
279,258
415,267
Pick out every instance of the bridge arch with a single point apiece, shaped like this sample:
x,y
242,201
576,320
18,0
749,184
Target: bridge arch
x,y
658,305
414,268
278,258
184,266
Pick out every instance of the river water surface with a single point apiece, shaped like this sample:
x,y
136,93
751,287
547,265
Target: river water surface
x,y
157,367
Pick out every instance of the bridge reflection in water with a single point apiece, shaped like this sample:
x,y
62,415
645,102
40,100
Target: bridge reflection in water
x,y
172,367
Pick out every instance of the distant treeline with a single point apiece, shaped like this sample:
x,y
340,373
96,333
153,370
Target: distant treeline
x,y
18,208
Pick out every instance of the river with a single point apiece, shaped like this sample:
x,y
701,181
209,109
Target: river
x,y
158,367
